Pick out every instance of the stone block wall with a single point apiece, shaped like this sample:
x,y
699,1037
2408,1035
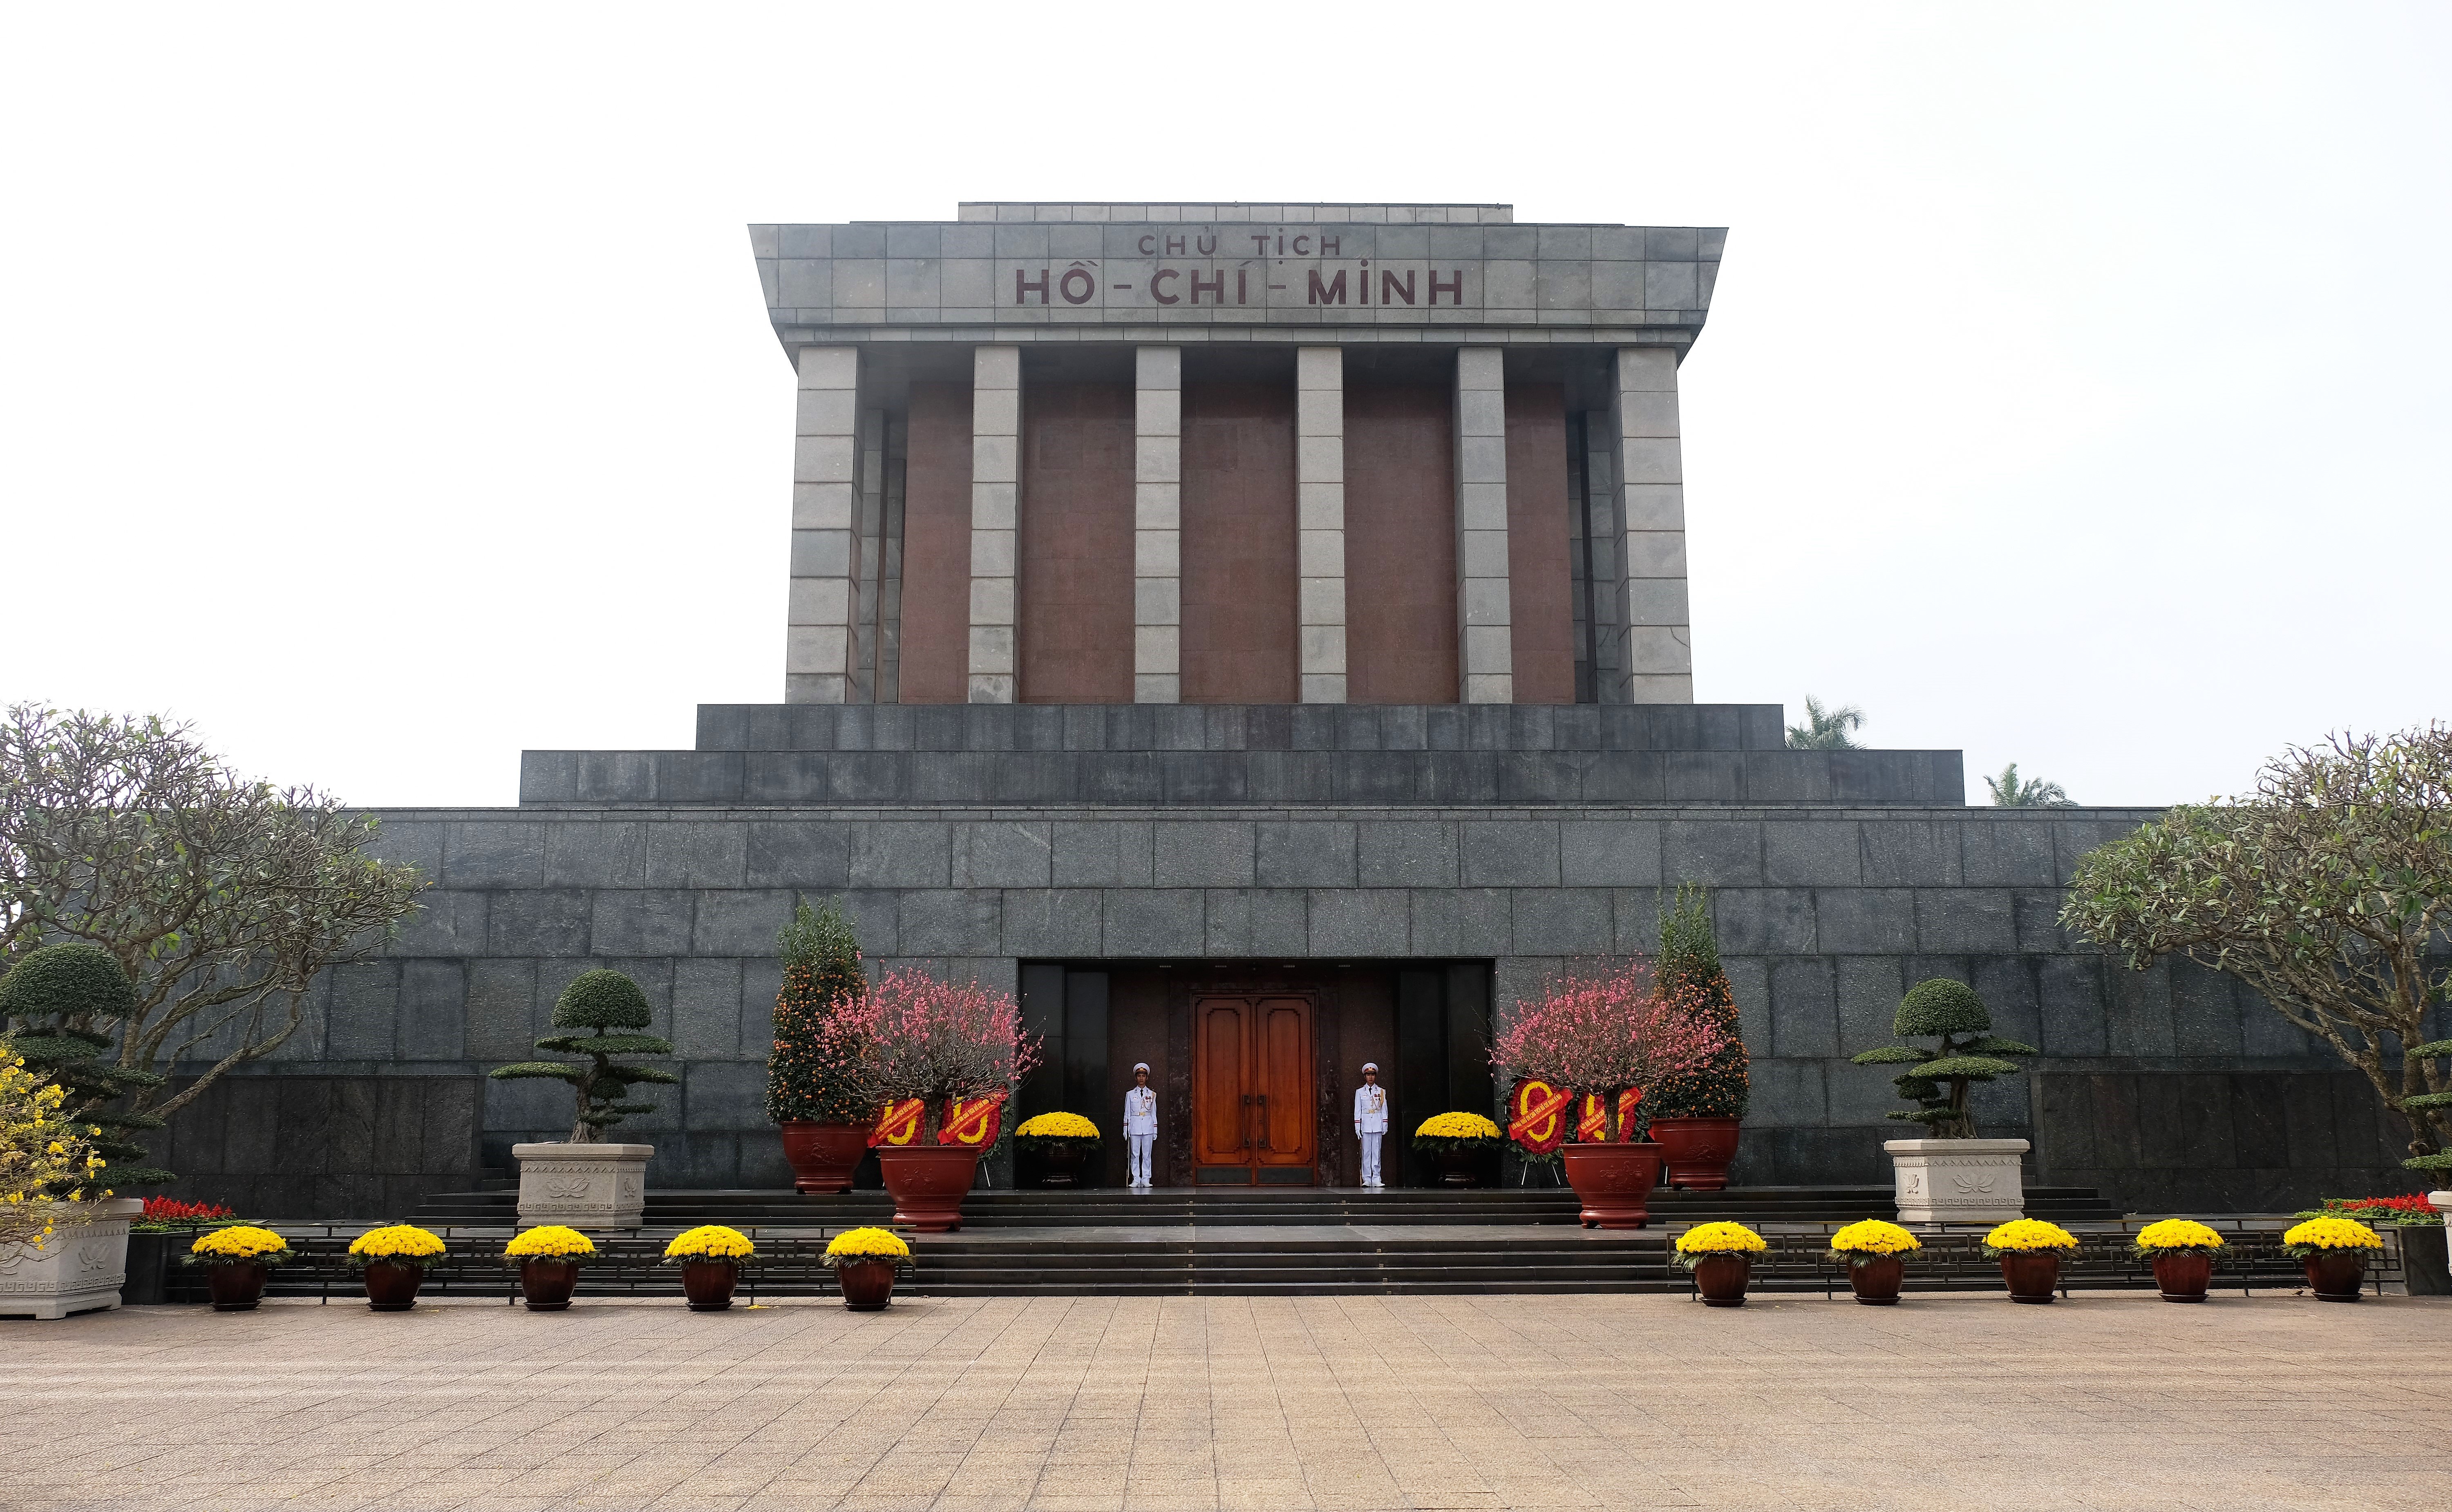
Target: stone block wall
x,y
2165,1088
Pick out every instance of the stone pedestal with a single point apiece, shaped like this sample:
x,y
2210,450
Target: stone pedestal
x,y
1958,1181
79,1268
582,1185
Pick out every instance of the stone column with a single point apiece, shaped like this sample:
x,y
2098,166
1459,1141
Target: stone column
x,y
1485,649
889,586
1655,661
996,513
868,541
1601,554
1157,524
818,658
1320,491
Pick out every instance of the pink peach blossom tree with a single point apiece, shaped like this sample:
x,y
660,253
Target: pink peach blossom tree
x,y
939,1041
1606,1029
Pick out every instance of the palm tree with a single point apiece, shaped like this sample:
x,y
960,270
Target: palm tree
x,y
2010,791
1825,729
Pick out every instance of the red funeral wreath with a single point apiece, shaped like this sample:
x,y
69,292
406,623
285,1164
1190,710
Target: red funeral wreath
x,y
1537,1115
973,1122
899,1124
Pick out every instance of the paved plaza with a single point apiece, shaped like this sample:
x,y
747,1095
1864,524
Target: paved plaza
x,y
1094,1403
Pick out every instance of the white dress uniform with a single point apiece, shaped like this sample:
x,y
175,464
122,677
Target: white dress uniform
x,y
1371,1125
1140,1128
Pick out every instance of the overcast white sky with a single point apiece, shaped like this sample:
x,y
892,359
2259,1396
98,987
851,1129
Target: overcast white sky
x,y
388,390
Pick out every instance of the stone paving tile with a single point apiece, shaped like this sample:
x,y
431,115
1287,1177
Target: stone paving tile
x,y
1203,1404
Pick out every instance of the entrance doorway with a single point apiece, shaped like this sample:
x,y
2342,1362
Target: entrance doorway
x,y
1253,1121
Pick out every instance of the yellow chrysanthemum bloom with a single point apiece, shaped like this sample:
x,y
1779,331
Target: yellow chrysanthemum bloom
x,y
2178,1233
1456,1126
240,1242
710,1242
549,1241
2333,1233
2029,1233
1720,1239
868,1243
396,1242
1056,1125
1873,1237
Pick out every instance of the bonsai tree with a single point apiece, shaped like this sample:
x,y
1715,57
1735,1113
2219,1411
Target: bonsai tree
x,y
1691,976
2325,890
1941,1077
1603,1033
53,1000
939,1042
815,1073
603,1005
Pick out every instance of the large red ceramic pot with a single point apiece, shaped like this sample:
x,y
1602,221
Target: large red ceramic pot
x,y
1876,1279
2183,1276
392,1285
708,1283
867,1285
547,1285
2334,1275
927,1182
823,1155
1699,1151
236,1287
2033,1275
1721,1278
1613,1182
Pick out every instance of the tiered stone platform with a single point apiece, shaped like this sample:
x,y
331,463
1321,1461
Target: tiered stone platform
x,y
1262,1241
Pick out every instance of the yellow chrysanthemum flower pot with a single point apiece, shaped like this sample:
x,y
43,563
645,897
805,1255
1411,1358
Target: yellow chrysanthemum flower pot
x,y
863,1261
548,1257
2182,1253
710,1256
392,1261
1875,1253
2334,1253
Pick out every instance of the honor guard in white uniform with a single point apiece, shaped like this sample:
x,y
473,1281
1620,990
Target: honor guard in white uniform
x,y
1140,1123
1370,1121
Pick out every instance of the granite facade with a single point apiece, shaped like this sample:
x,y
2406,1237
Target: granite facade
x,y
1827,911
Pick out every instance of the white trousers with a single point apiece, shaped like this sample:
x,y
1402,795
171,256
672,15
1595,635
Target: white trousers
x,y
1140,1158
1370,1159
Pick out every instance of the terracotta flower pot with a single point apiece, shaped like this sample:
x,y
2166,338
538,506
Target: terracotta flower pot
x,y
547,1284
1721,1278
2033,1275
1460,1167
392,1285
927,1182
867,1285
2334,1274
1876,1279
823,1155
1698,1151
708,1283
1613,1182
238,1287
2182,1275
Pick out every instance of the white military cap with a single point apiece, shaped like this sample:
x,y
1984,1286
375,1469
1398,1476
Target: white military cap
x,y
1370,1065
1141,1066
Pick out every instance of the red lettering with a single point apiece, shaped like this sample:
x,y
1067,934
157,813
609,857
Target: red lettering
x,y
1022,287
1064,286
1454,291
1328,293
1217,288
1161,276
1389,286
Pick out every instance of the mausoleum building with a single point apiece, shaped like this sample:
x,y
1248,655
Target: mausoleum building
x,y
1257,635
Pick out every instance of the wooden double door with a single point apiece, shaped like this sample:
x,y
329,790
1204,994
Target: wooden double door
x,y
1254,1108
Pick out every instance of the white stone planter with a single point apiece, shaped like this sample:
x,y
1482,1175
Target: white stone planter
x,y
2442,1202
80,1269
582,1185
1958,1181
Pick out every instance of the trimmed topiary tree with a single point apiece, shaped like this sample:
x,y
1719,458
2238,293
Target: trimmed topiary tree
x,y
1690,972
815,1074
605,1004
51,1001
1940,1078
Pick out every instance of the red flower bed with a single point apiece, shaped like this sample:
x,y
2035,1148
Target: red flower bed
x,y
172,1210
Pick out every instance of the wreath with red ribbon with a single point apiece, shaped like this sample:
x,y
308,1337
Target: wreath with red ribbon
x,y
1537,1115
